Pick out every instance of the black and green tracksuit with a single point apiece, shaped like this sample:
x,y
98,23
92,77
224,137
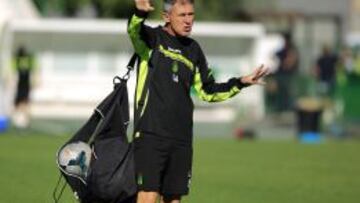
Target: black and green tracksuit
x,y
173,65
24,65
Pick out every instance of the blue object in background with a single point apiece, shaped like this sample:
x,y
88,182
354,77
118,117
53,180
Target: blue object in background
x,y
4,123
310,137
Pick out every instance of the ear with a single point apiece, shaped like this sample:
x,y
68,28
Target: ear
x,y
166,17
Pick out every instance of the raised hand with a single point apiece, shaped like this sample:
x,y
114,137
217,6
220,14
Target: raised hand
x,y
144,5
254,78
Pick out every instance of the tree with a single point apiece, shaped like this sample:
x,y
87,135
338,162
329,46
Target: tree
x,y
218,10
113,8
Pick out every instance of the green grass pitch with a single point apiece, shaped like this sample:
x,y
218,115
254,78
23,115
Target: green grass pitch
x,y
224,170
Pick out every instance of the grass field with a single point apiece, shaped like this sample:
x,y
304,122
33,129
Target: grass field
x,y
224,171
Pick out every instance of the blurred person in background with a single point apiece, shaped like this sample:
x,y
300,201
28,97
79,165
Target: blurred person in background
x,y
284,76
23,65
170,64
325,71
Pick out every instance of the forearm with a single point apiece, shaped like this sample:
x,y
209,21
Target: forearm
x,y
211,91
208,89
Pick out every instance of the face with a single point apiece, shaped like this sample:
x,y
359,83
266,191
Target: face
x,y
180,18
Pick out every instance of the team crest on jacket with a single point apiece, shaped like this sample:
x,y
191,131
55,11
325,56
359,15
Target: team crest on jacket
x,y
175,70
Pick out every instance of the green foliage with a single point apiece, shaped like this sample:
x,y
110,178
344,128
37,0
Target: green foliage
x,y
205,9
59,7
216,10
40,5
113,8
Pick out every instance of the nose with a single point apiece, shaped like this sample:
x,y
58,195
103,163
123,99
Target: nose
x,y
188,19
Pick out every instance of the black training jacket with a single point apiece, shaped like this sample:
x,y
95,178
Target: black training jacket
x,y
169,67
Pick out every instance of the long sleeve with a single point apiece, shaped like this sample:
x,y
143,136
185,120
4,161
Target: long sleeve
x,y
141,36
143,40
206,87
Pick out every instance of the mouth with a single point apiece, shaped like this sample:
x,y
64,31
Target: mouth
x,y
187,28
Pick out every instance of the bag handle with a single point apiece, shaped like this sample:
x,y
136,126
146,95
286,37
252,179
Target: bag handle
x,y
130,67
116,80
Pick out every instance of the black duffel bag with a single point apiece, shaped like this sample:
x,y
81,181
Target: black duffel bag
x,y
97,162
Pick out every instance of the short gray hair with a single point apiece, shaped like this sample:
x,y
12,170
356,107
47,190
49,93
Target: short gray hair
x,y
168,4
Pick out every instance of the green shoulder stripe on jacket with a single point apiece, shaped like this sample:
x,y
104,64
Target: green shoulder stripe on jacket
x,y
214,97
177,57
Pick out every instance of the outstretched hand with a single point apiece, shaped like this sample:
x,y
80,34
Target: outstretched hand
x,y
255,77
144,5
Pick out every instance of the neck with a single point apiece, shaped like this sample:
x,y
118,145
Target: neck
x,y
167,28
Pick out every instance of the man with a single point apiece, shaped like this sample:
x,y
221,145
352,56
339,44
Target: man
x,y
285,74
170,64
326,71
24,66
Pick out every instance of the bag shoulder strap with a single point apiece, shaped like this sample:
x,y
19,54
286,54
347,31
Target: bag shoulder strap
x,y
130,67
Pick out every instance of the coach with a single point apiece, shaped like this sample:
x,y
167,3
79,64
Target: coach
x,y
170,65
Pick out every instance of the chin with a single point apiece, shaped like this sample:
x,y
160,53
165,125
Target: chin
x,y
185,34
